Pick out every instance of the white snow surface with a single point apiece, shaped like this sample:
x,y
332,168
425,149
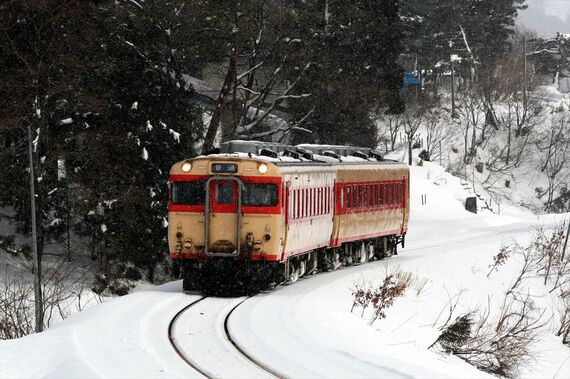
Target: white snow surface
x,y
306,330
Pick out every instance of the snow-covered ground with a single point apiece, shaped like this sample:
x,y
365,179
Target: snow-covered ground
x,y
306,329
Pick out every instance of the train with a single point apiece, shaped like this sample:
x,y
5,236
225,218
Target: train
x,y
260,214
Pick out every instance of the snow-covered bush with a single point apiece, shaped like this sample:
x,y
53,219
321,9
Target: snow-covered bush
x,y
16,307
497,345
381,296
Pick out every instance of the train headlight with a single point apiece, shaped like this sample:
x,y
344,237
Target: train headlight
x,y
188,244
262,168
186,166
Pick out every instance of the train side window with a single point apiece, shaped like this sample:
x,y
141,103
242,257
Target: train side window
x,y
348,199
294,203
189,193
355,197
309,202
299,203
306,207
378,202
390,194
398,194
312,201
377,196
315,201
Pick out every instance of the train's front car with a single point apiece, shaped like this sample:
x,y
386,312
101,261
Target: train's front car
x,y
224,221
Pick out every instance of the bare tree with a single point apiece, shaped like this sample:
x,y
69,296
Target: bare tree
x,y
412,120
438,136
564,315
495,344
390,124
263,70
471,115
556,149
65,291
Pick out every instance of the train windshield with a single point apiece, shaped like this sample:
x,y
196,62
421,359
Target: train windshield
x,y
259,194
189,193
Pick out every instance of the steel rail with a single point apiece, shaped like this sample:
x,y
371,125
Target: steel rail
x,y
173,343
241,350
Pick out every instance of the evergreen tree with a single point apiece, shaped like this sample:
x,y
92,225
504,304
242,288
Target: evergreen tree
x,y
433,30
153,123
49,56
355,48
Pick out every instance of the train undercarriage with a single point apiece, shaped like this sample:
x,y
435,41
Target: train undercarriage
x,y
223,275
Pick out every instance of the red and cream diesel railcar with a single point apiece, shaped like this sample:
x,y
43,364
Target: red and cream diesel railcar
x,y
238,218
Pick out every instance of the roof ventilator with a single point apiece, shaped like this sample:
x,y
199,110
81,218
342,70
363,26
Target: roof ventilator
x,y
375,155
360,154
332,154
291,153
305,153
268,153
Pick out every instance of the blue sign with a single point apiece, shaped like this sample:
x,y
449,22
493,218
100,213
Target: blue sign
x,y
411,79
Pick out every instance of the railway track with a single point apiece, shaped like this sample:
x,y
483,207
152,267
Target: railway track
x,y
241,350
172,339
200,335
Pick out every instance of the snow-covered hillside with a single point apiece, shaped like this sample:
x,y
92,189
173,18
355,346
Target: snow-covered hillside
x,y
307,329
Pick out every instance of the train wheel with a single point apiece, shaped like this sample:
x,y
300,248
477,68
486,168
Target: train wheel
x,y
325,261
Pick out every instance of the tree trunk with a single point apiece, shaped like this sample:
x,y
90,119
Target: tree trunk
x,y
221,103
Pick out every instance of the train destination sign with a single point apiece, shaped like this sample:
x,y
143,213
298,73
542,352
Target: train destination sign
x,y
224,168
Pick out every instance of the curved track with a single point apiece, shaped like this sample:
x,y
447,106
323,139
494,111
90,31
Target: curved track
x,y
173,340
241,350
200,335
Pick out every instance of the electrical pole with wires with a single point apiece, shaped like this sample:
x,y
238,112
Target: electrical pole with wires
x,y
38,303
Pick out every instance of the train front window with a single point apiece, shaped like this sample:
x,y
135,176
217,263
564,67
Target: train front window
x,y
189,193
259,194
225,193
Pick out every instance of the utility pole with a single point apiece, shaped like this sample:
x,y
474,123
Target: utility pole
x,y
452,90
524,71
36,264
451,57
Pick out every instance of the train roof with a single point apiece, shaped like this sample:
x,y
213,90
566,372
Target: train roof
x,y
300,155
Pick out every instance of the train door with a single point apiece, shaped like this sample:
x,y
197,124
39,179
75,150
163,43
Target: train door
x,y
223,217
